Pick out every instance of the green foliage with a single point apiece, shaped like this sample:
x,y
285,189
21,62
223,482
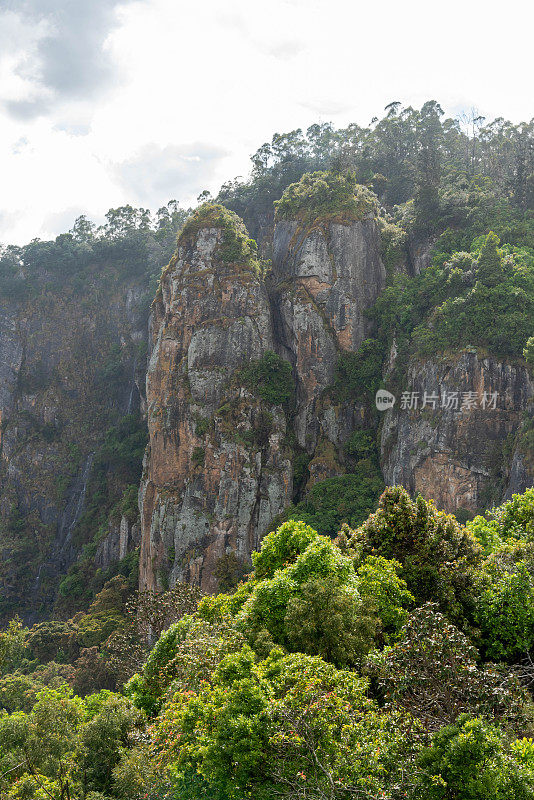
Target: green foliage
x,y
516,517
183,658
233,714
270,377
326,194
381,587
13,646
130,243
64,747
348,498
322,618
510,523
358,375
360,445
197,456
46,639
432,673
304,595
202,426
110,375
484,298
261,727
489,267
528,353
437,556
129,506
124,446
281,548
229,571
393,241
504,608
472,760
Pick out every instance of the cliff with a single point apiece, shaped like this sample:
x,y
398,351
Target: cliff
x,y
71,362
262,369
217,470
326,275
221,459
466,448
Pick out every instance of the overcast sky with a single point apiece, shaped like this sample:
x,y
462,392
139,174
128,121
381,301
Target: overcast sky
x,y
106,102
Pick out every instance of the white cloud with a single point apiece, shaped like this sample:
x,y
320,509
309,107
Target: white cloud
x,y
166,97
156,173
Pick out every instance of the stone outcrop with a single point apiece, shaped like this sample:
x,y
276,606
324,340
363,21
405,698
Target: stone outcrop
x,y
326,276
218,468
464,458
122,537
217,471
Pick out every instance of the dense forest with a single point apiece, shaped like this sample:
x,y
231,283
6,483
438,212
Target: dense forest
x,y
376,647
393,661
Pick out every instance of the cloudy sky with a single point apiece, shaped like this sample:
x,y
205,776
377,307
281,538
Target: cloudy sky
x,y
106,102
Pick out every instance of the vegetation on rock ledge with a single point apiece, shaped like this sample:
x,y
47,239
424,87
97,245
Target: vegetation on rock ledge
x,y
236,246
320,195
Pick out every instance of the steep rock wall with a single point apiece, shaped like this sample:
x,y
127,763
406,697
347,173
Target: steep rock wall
x,y
216,470
56,401
462,458
325,277
219,469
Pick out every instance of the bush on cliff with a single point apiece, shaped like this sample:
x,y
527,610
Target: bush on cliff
x,y
236,247
319,195
483,298
270,377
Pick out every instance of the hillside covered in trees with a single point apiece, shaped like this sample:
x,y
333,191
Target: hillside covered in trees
x,y
294,594
392,662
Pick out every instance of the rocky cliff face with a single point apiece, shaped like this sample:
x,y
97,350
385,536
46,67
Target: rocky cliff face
x,y
326,277
467,455
219,464
217,470
70,363
225,456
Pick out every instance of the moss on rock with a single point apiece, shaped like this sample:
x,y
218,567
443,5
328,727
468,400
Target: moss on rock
x,y
236,247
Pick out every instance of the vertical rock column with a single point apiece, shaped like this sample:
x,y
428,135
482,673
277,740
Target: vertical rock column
x,y
326,275
216,471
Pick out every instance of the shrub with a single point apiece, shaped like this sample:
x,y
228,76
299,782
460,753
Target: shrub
x,y
259,728
380,586
436,554
198,456
432,672
472,760
358,375
270,377
326,194
504,609
348,498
